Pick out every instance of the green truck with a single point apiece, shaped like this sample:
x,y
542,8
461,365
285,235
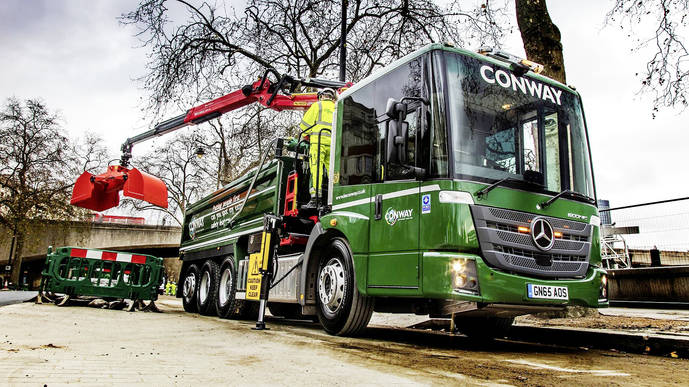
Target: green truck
x,y
460,186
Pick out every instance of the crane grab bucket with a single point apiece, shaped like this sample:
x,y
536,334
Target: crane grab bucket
x,y
101,192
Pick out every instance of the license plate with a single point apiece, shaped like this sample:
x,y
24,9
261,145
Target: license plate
x,y
547,292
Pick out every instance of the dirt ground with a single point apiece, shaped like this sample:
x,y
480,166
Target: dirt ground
x,y
624,323
45,344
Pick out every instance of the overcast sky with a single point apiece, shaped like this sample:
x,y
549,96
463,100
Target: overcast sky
x,y
83,63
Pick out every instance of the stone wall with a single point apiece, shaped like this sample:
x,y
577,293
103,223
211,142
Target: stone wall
x,y
89,235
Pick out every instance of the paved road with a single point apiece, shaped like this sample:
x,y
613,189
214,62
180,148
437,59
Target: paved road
x,y
45,344
9,297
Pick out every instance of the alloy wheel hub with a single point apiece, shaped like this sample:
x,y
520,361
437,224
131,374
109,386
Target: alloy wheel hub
x,y
189,285
331,285
225,286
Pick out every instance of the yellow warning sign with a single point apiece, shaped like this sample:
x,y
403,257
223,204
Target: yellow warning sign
x,y
257,262
253,278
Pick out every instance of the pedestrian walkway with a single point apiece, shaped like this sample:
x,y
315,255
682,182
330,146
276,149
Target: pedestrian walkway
x,y
658,314
16,296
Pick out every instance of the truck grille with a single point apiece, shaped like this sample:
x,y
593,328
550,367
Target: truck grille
x,y
504,247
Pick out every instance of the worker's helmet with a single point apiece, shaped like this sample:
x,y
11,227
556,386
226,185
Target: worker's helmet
x,y
328,93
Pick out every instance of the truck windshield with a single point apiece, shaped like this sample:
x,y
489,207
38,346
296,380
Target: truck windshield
x,y
504,125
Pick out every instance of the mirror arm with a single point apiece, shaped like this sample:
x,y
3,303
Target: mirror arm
x,y
423,100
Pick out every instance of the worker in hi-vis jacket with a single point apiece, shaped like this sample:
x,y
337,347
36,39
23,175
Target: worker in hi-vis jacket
x,y
316,119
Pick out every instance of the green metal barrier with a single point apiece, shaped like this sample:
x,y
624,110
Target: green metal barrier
x,y
75,271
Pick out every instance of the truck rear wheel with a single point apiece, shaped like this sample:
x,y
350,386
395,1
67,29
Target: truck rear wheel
x,y
189,286
227,288
208,288
342,310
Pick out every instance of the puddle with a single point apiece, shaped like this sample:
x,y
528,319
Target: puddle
x,y
568,370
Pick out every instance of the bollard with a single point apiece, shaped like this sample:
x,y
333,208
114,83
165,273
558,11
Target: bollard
x,y
655,257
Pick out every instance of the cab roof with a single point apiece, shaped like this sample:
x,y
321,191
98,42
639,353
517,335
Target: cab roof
x,y
449,48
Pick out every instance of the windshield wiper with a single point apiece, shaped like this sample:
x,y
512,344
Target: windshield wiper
x,y
489,188
569,193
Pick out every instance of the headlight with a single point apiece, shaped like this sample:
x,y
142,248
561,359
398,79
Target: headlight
x,y
464,276
603,293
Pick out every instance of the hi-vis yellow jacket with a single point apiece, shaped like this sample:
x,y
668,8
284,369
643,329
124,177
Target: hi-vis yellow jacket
x,y
318,117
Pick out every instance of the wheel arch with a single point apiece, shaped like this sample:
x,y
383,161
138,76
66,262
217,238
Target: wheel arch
x,y
318,240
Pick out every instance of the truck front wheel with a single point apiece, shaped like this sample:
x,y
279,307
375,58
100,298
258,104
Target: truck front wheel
x,y
342,310
191,279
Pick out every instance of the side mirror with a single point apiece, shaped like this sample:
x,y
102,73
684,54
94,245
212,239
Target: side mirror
x,y
391,149
396,110
398,134
401,142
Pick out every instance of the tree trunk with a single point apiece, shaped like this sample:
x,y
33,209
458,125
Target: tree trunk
x,y
541,37
17,259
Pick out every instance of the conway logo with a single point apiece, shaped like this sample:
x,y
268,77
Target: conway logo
x,y
392,215
525,85
195,224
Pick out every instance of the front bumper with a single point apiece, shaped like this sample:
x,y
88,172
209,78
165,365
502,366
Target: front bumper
x,y
499,287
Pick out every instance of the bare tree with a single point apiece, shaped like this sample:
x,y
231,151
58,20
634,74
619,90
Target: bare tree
x,y
89,154
176,163
238,142
666,75
36,171
193,58
201,50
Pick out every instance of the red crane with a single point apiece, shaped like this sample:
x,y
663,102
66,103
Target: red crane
x,y
101,192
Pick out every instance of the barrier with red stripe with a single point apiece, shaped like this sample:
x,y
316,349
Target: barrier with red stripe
x,y
102,273
107,255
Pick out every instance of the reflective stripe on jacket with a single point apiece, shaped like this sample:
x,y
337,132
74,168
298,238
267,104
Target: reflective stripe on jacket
x,y
318,117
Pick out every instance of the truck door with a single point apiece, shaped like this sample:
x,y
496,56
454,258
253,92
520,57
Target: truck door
x,y
394,231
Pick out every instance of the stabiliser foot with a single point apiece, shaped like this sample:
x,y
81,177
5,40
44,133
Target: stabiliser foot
x,y
260,326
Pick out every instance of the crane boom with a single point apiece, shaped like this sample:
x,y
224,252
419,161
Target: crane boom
x,y
101,192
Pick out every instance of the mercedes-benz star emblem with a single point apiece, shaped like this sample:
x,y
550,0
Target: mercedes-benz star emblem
x,y
542,234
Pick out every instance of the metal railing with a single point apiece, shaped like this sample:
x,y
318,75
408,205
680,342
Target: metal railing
x,y
646,234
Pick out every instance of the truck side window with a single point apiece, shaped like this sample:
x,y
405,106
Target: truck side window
x,y
437,134
359,127
364,121
399,172
405,81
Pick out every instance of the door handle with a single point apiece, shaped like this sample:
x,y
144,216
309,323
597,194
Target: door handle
x,y
379,207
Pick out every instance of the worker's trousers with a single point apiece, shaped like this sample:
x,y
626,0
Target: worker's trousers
x,y
316,164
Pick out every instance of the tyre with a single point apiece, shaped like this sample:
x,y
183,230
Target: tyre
x,y
208,288
189,287
226,303
342,310
484,328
